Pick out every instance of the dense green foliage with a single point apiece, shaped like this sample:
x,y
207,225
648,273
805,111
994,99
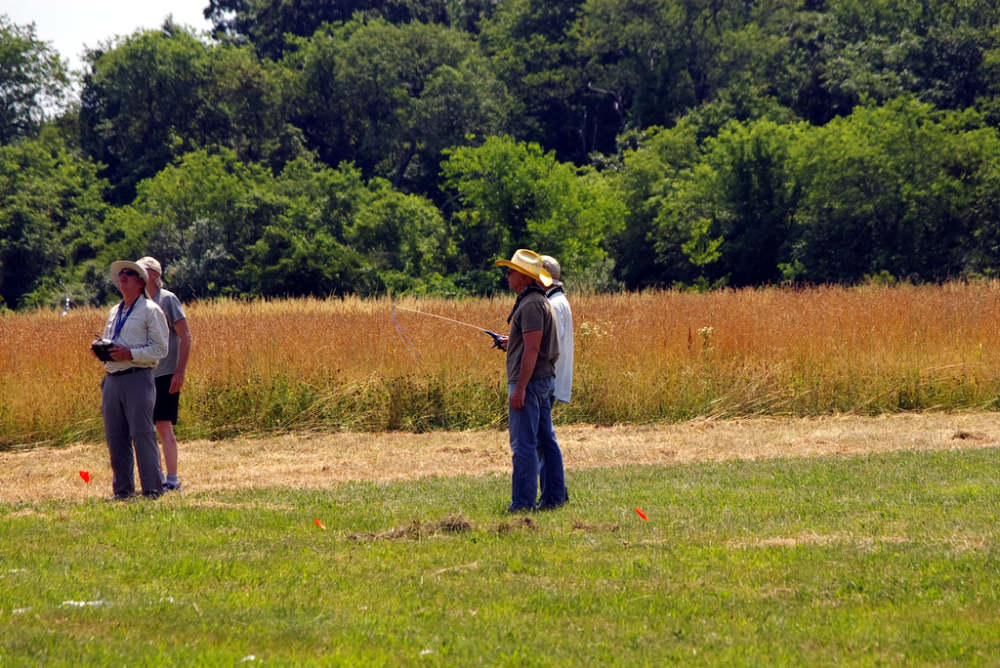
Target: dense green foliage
x,y
866,561
898,189
661,142
32,77
51,218
230,228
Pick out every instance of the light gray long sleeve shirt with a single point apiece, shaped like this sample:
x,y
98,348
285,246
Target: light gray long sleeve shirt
x,y
564,365
144,333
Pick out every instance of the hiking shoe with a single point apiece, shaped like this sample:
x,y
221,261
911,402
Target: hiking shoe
x,y
550,506
171,487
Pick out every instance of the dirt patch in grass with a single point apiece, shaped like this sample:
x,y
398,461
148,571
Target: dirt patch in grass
x,y
318,460
519,524
973,435
417,530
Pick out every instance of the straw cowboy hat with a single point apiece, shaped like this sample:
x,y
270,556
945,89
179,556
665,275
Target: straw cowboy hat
x,y
116,267
528,263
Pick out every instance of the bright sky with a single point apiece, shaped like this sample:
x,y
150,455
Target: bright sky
x,y
72,25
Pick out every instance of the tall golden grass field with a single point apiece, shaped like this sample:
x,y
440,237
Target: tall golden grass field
x,y
657,356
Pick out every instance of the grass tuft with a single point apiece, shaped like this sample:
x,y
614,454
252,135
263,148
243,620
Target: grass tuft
x,y
418,530
607,527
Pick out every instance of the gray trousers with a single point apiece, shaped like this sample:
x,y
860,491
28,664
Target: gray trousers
x,y
127,404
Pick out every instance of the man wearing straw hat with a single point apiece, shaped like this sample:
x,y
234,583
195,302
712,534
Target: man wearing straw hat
x,y
532,350
137,333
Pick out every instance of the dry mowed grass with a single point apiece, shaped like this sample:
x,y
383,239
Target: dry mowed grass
x,y
315,461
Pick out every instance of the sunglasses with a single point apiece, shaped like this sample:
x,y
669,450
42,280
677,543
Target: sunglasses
x,y
128,272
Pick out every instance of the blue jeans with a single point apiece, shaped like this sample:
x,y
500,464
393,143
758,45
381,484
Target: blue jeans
x,y
541,462
532,436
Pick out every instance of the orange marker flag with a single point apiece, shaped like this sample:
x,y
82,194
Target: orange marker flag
x,y
320,524
85,475
641,514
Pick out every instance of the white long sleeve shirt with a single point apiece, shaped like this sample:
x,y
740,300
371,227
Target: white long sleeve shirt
x,y
564,363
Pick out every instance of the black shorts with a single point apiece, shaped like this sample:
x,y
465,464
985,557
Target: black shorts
x,y
166,403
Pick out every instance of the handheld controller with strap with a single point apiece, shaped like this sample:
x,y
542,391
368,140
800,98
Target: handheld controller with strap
x,y
497,343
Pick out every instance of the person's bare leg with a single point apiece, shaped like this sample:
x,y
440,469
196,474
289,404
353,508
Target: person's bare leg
x,y
165,430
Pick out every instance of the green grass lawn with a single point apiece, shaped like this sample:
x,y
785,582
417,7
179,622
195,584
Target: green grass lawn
x,y
887,560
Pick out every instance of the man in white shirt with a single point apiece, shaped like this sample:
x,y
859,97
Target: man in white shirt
x,y
137,332
564,327
564,323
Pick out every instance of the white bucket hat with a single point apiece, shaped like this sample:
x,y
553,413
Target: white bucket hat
x,y
116,267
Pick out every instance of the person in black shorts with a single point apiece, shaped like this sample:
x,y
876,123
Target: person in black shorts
x,y
169,373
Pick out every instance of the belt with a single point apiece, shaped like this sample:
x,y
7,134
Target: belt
x,y
125,372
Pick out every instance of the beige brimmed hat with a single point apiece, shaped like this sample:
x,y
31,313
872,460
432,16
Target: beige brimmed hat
x,y
151,263
528,263
126,264
550,264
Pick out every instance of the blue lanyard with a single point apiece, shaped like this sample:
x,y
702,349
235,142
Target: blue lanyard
x,y
119,320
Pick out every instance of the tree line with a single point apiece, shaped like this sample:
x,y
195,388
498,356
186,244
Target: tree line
x,y
318,148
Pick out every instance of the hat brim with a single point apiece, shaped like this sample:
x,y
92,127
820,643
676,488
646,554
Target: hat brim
x,y
544,276
116,267
150,264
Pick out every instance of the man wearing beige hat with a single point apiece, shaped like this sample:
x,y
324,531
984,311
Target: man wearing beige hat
x,y
532,350
170,373
564,327
134,340
564,324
